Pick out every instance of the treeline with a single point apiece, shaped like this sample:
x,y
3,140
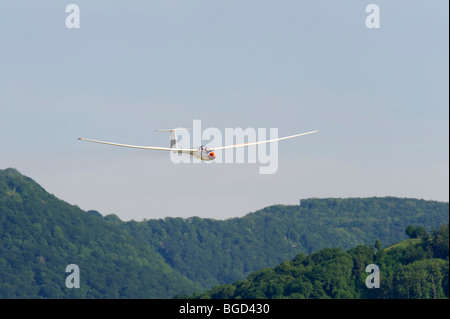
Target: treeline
x,y
212,252
40,235
413,269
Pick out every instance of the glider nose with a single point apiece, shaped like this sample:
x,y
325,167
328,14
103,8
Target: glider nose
x,y
212,155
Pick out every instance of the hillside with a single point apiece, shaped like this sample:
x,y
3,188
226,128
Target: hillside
x,y
40,235
213,252
411,269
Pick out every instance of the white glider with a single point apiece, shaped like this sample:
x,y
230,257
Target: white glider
x,y
203,153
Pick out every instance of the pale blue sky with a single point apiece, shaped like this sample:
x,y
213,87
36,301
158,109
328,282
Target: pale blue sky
x,y
379,97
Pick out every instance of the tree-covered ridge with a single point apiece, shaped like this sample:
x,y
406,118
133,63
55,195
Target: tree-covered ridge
x,y
416,269
40,235
214,252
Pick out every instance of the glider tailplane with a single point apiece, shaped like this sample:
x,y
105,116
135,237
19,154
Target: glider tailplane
x,y
173,136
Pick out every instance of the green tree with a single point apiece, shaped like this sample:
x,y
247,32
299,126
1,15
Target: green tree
x,y
410,231
378,244
421,232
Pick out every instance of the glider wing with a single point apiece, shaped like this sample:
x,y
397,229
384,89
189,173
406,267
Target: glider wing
x,y
261,142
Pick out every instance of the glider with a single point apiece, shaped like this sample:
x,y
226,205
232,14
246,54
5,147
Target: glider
x,y
203,153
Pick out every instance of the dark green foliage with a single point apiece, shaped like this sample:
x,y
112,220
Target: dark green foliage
x,y
378,244
40,235
407,271
410,231
213,252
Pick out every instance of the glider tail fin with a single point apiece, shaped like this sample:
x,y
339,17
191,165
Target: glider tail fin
x,y
173,136
173,139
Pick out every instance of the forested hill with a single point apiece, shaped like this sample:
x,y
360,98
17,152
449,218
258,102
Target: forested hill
x,y
416,268
215,252
40,235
